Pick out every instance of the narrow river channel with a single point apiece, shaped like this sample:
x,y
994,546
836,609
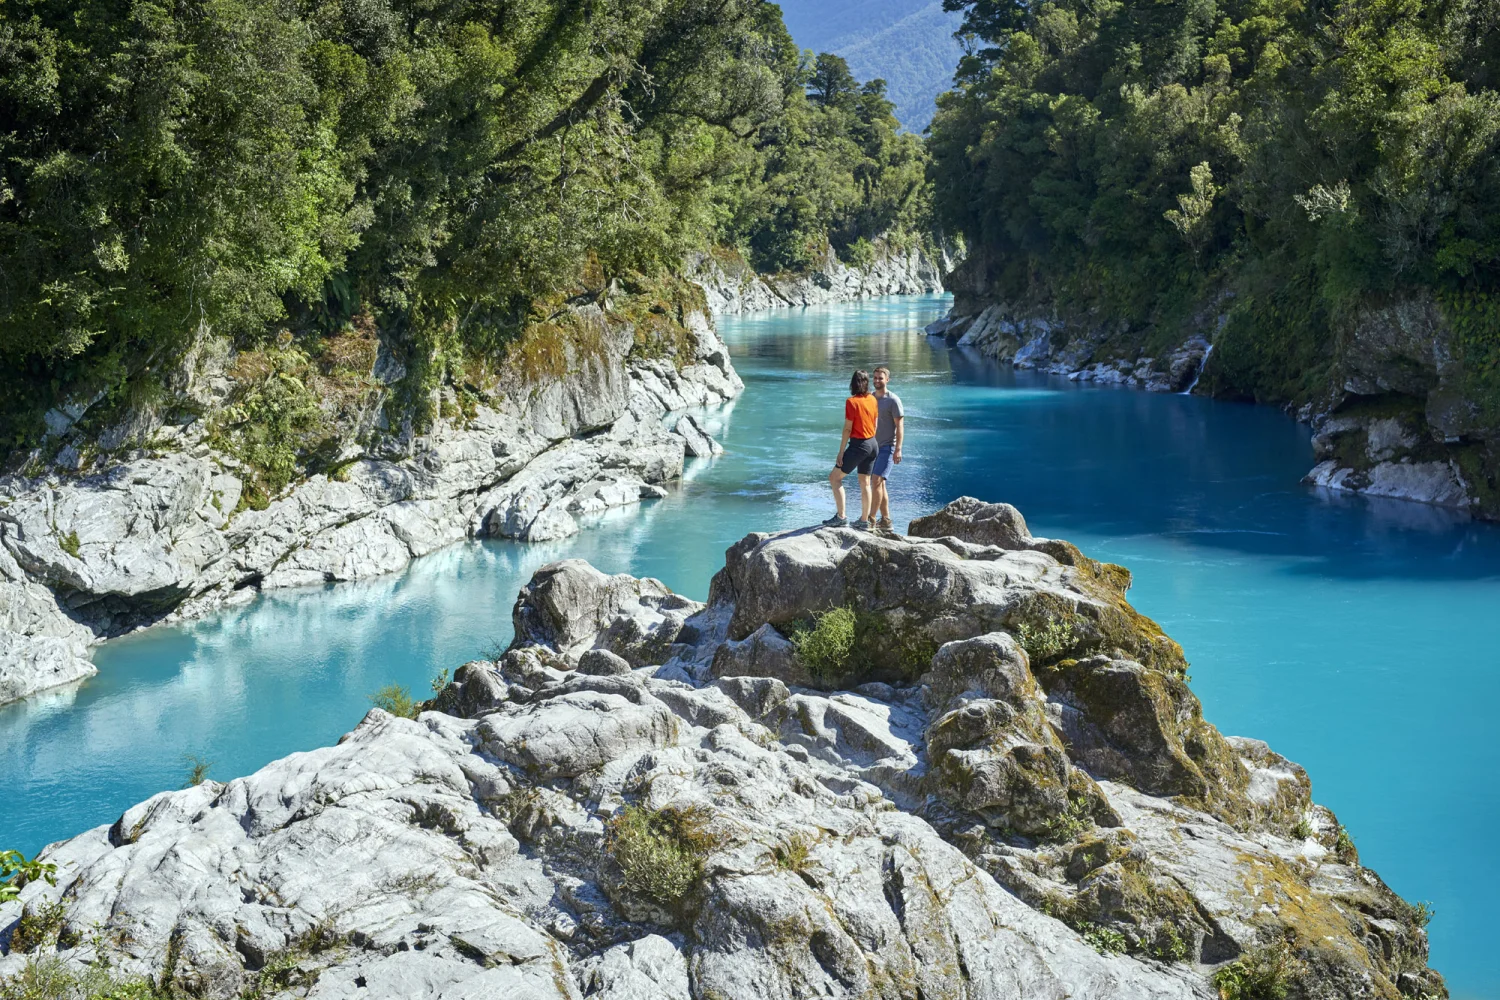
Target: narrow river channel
x,y
1361,639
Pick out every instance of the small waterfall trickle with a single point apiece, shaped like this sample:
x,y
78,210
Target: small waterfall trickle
x,y
1199,374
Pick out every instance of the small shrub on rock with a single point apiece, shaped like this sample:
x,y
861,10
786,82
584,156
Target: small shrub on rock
x,y
197,770
1262,974
1343,846
39,925
1046,639
1104,940
841,644
826,645
660,852
1169,945
397,700
1067,825
794,855
50,978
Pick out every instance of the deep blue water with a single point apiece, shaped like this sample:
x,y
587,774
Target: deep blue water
x,y
1359,638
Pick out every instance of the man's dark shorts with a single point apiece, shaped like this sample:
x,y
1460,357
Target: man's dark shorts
x,y
883,461
858,452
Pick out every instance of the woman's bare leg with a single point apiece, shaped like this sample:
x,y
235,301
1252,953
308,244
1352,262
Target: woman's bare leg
x,y
866,500
836,481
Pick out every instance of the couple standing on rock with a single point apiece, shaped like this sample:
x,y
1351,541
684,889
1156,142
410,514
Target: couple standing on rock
x,y
873,432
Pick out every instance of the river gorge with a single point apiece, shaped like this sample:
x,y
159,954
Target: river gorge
x,y
1356,636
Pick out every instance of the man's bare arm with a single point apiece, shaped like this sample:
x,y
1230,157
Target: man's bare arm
x,y
900,437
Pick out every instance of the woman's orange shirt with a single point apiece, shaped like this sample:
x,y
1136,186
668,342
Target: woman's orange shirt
x,y
864,411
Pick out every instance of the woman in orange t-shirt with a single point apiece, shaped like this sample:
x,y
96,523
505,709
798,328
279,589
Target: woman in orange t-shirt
x,y
856,450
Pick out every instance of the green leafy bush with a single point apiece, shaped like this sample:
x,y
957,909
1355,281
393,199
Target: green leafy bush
x,y
40,924
1343,846
1168,946
16,871
660,853
793,856
397,700
1046,639
1263,974
825,647
842,645
1104,940
50,978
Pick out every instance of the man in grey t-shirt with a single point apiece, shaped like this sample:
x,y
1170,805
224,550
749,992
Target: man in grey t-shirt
x,y
889,431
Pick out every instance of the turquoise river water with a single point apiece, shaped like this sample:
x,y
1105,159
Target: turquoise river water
x,y
1359,638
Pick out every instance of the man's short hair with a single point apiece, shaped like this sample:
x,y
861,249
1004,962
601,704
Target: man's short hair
x,y
883,368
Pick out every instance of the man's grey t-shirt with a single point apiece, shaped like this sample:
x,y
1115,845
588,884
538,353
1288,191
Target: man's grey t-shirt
x,y
889,409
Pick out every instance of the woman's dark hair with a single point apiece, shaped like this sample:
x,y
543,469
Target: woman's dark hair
x,y
859,383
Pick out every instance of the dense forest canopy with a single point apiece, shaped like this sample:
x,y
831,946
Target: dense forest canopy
x,y
1284,162
253,166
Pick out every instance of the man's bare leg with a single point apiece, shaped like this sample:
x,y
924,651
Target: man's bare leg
x,y
882,493
866,499
836,481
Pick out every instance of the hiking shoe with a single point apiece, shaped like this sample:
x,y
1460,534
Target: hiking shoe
x,y
885,527
861,525
836,522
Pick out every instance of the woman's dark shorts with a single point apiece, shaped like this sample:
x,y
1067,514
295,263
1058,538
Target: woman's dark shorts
x,y
859,452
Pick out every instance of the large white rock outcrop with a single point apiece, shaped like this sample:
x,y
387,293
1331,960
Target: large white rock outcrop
x,y
1002,788
732,286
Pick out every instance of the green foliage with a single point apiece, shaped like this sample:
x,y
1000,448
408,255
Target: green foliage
x,y
1046,639
1104,940
1067,825
197,769
1421,913
1343,846
660,853
826,646
842,644
1168,946
1302,830
440,681
50,978
39,925
397,700
16,871
1263,974
279,172
1136,161
69,543
793,856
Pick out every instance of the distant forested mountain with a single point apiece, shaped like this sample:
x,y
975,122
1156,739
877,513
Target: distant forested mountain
x,y
908,43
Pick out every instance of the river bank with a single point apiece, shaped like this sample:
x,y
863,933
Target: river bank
x,y
1298,609
1391,415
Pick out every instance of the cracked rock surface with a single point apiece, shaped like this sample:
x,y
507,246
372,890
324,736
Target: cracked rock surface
x,y
1001,788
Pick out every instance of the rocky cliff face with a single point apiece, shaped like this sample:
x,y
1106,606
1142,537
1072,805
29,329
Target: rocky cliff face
x,y
957,765
1397,417
165,534
732,286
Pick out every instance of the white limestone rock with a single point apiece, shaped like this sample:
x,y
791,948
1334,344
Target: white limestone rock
x,y
481,856
698,442
730,286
